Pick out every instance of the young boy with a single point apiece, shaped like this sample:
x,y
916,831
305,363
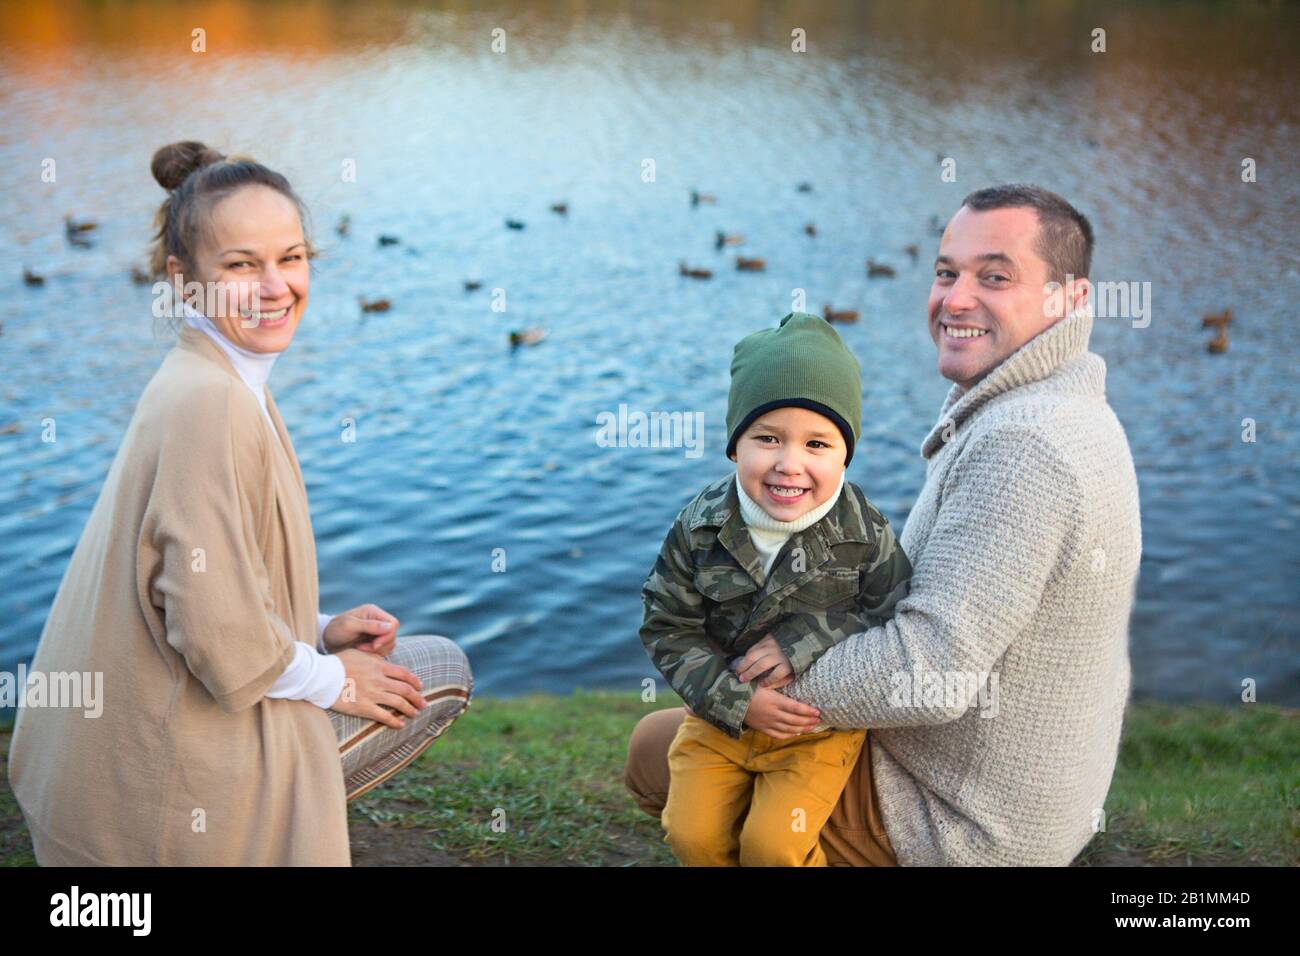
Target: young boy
x,y
763,572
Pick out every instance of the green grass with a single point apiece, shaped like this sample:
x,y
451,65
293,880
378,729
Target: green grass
x,y
526,780
1204,785
15,845
538,780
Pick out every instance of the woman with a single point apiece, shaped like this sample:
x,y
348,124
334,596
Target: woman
x,y
236,720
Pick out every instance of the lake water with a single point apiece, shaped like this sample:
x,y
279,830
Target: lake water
x,y
463,446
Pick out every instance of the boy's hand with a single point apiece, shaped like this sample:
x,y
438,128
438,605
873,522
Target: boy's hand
x,y
780,717
766,660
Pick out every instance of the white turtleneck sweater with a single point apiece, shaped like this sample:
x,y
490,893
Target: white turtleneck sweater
x,y
770,535
312,675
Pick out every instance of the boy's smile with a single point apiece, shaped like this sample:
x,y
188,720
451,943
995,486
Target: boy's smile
x,y
785,493
790,461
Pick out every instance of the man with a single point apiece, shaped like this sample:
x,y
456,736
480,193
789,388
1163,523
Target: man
x,y
993,698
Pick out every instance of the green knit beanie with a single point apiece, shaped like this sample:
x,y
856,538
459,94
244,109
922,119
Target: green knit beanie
x,y
802,362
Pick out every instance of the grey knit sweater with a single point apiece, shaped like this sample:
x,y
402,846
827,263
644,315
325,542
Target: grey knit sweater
x,y
996,693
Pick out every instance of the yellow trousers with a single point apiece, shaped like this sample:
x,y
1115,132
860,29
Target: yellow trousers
x,y
753,801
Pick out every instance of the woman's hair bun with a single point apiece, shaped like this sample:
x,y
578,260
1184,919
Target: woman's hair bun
x,y
175,161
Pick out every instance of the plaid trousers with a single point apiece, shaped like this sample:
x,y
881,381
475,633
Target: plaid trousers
x,y
372,752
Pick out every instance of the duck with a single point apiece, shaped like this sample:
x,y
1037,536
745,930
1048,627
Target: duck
x,y
345,225
527,336
1220,321
1219,344
72,227
139,276
514,224
913,251
686,270
699,197
560,208
374,305
723,239
750,265
473,285
386,240
875,269
810,229
32,278
804,187
844,315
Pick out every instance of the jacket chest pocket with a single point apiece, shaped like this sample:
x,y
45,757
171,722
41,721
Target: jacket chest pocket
x,y
723,584
833,587
730,593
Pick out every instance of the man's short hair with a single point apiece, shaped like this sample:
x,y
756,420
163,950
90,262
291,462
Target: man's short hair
x,y
1064,234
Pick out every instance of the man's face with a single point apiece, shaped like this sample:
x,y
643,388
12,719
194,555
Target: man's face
x,y
988,297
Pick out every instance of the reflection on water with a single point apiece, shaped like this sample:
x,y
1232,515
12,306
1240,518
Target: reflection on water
x,y
464,447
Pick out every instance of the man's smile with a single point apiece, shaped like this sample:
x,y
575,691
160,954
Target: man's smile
x,y
954,332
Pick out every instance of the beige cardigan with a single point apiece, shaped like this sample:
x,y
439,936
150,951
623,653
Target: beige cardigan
x,y
195,574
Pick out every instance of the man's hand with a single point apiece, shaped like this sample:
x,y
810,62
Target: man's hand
x,y
780,717
366,628
766,660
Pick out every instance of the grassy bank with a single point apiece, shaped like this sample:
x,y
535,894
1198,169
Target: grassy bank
x,y
1194,785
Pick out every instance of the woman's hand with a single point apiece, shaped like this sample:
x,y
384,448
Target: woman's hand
x,y
367,628
375,688
766,656
780,717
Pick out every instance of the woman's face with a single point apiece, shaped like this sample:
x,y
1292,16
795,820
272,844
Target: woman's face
x,y
253,267
790,460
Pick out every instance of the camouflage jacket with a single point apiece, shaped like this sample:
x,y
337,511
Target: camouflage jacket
x,y
707,600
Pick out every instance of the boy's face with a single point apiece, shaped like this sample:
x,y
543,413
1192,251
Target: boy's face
x,y
790,461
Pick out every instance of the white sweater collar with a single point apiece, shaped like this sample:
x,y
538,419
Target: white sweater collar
x,y
759,520
253,367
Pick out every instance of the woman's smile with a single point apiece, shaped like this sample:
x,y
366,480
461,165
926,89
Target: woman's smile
x,y
268,318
